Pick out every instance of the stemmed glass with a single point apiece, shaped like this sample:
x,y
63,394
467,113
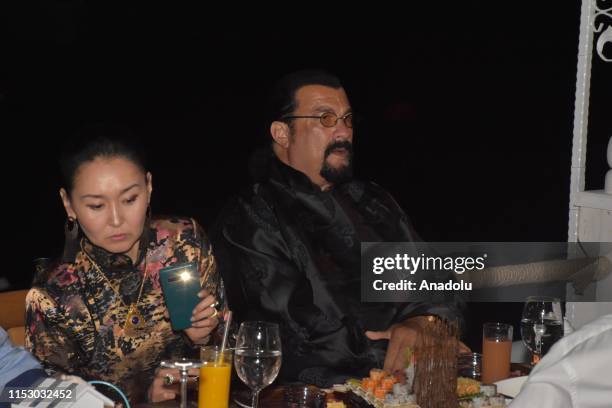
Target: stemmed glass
x,y
257,356
541,325
183,365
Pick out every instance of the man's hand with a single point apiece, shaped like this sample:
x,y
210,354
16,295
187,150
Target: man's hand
x,y
401,336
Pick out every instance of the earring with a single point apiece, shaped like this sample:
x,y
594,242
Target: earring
x,y
71,236
71,229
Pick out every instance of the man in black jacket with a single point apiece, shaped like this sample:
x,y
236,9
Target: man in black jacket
x,y
289,247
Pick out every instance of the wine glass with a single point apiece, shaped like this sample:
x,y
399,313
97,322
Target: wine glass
x,y
257,356
183,365
541,325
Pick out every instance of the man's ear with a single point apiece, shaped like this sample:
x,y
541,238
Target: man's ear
x,y
280,133
67,204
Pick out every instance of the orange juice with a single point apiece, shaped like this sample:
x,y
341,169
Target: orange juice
x,y
215,374
214,385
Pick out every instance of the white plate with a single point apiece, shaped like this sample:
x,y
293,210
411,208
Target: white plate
x,y
511,386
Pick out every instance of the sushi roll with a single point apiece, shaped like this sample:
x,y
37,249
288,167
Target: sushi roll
x,y
377,374
391,399
380,393
400,389
410,373
387,383
480,402
497,401
488,390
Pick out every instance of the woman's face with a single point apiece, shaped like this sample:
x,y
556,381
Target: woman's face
x,y
109,199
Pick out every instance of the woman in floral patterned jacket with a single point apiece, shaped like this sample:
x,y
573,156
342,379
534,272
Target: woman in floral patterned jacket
x,y
100,313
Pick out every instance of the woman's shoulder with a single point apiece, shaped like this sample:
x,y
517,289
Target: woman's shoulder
x,y
174,224
176,228
61,279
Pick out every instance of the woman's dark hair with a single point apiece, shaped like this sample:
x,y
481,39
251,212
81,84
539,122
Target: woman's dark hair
x,y
98,141
89,143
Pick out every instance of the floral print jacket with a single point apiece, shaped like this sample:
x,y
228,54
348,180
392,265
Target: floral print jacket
x,y
75,322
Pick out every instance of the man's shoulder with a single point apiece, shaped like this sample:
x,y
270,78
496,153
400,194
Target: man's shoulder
x,y
591,336
264,199
252,210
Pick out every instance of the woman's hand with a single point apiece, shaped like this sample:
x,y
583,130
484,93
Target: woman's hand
x,y
203,319
166,384
160,390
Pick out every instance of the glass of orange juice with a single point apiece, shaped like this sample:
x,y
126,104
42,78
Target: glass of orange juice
x,y
215,375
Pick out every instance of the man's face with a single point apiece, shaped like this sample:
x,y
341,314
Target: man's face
x,y
324,154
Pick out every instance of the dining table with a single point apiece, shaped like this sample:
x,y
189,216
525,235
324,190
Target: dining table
x,y
271,397
274,395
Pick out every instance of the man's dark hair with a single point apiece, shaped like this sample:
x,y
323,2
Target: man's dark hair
x,y
104,140
282,98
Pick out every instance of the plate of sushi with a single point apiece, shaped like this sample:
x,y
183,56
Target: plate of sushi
x,y
385,390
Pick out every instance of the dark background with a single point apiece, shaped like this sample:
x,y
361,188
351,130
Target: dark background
x,y
468,108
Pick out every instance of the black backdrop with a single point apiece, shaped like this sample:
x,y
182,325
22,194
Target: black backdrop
x,y
467,108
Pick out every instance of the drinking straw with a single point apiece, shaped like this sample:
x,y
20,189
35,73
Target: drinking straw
x,y
228,322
